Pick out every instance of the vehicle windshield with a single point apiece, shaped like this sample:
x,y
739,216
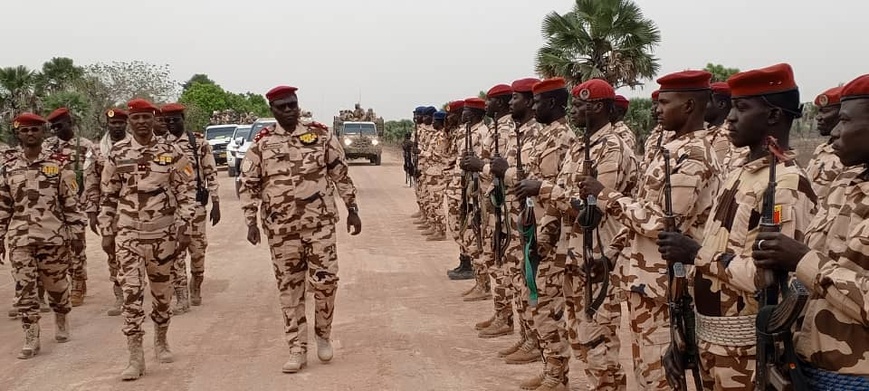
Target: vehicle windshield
x,y
242,131
219,133
257,127
360,129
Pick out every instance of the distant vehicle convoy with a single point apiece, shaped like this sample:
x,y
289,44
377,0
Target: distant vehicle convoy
x,y
219,136
360,133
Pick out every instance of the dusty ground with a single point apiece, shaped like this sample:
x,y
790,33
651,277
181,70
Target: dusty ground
x,y
399,324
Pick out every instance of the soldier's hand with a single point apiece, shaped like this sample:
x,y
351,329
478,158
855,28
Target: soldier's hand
x,y
590,186
777,251
215,213
253,234
528,188
354,221
92,219
77,245
109,244
471,163
674,369
675,247
498,166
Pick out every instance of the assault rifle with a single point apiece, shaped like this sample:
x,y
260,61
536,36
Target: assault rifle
x,y
527,225
471,196
589,219
683,342
774,320
501,237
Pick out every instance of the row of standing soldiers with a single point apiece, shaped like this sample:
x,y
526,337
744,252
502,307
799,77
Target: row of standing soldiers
x,y
734,263
143,188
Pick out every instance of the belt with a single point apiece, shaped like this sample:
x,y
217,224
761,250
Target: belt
x,y
733,331
154,225
823,380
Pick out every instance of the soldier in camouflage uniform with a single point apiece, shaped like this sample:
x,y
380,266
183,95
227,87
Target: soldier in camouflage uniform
x,y
145,216
433,154
453,193
592,331
289,174
724,282
39,217
205,180
418,143
95,161
716,112
76,147
620,109
825,165
833,337
695,178
543,162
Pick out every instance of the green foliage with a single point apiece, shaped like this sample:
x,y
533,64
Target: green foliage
x,y
639,118
195,118
720,72
395,130
203,97
136,79
58,74
599,39
197,78
208,97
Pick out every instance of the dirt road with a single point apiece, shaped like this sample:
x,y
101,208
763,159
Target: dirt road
x,y
399,323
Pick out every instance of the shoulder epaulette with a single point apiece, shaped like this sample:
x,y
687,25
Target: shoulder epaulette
x,y
262,133
317,125
61,158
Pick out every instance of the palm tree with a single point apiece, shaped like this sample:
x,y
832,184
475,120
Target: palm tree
x,y
16,90
603,39
58,74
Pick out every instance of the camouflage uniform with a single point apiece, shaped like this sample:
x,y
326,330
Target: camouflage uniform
x,y
207,171
695,179
833,335
653,142
626,134
465,237
288,176
719,140
424,134
435,155
38,214
77,148
724,285
593,338
823,169
145,200
543,156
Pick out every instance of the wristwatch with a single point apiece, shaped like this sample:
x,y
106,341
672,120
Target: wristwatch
x,y
353,209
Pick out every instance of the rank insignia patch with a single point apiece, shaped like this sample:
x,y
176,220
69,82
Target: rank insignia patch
x,y
308,138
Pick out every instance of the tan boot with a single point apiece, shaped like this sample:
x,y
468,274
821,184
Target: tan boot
x,y
484,324
500,327
528,353
76,297
555,375
324,349
437,237
31,341
119,301
161,345
416,215
429,232
532,383
62,328
196,290
181,303
13,313
136,368
469,291
296,362
478,294
512,348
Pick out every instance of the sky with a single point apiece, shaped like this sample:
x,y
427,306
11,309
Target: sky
x,y
395,55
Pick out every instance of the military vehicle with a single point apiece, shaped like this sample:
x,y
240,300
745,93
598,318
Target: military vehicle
x,y
360,134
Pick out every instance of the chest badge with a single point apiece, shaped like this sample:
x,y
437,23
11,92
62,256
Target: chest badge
x,y
308,138
163,160
50,170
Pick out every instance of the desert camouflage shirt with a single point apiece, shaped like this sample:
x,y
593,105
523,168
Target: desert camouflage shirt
x,y
38,200
834,334
146,188
628,136
206,168
615,166
695,177
823,169
719,140
654,141
478,133
724,282
94,163
288,176
527,131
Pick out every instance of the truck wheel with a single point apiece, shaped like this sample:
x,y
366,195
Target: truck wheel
x,y
231,171
377,160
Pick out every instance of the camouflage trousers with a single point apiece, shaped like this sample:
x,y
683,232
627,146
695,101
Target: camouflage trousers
x,y
594,339
650,337
308,255
198,245
548,314
114,268
145,257
726,368
514,262
499,273
434,206
48,264
78,261
464,238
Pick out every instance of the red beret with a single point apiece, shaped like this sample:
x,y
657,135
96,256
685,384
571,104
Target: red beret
x,y
141,106
622,102
685,81
594,89
116,113
524,85
548,85
27,119
170,108
721,88
655,94
830,97
856,89
770,80
455,106
58,114
499,90
475,103
280,92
